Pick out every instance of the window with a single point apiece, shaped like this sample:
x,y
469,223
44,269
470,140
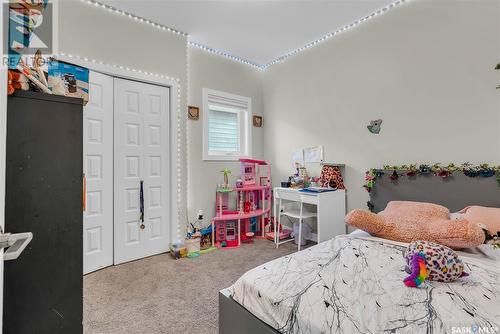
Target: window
x,y
226,125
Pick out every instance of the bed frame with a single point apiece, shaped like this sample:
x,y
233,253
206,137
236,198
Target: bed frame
x,y
234,318
454,192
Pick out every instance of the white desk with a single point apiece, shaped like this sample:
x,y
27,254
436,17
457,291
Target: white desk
x,y
331,209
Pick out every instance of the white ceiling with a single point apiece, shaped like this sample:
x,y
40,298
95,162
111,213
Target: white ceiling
x,y
258,30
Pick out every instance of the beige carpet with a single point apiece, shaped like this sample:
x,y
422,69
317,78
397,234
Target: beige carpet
x,y
162,295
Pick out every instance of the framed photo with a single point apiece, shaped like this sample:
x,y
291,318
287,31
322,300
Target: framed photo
x,y
193,113
257,121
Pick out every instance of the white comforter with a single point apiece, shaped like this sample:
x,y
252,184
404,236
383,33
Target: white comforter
x,y
355,285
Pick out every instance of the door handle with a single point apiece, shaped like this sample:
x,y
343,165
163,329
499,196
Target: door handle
x,y
84,195
141,203
15,244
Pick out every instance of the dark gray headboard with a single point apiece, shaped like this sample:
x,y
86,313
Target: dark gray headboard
x,y
454,192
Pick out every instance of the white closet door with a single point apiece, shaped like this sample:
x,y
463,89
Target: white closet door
x,y
98,168
141,153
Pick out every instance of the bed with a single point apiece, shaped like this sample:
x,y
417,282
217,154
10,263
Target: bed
x,y
353,284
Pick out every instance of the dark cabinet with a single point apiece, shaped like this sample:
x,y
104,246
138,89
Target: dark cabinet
x,y
43,287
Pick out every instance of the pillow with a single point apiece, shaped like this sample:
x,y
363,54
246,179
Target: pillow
x,y
411,221
485,216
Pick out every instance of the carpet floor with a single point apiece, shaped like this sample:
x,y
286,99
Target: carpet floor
x,y
162,295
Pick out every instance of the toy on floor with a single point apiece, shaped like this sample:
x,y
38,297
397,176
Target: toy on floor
x,y
435,262
241,222
283,232
199,237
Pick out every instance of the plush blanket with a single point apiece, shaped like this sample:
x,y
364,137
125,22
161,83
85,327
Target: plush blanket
x,y
355,285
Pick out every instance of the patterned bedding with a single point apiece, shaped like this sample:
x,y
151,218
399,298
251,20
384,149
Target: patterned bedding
x,y
354,285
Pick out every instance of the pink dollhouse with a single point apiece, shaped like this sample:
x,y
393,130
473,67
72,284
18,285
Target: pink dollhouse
x,y
232,224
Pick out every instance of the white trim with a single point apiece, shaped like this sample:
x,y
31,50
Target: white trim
x,y
175,121
242,103
3,139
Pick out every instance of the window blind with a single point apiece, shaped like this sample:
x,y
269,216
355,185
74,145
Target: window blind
x,y
223,130
226,125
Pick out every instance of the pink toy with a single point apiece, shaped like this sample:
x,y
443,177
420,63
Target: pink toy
x,y
231,225
248,172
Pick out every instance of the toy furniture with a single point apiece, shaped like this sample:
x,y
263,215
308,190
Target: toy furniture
x,y
252,208
329,215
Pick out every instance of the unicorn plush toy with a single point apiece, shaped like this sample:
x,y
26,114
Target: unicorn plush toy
x,y
427,260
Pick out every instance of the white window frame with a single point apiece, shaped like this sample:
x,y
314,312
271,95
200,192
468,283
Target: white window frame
x,y
226,100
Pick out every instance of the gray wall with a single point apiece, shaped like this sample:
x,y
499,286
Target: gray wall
x,y
97,33
210,71
425,68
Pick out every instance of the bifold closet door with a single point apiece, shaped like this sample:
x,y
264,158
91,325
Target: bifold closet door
x,y
98,170
141,170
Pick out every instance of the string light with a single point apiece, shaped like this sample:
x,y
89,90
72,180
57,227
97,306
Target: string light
x,y
225,54
177,88
240,59
335,33
134,17
187,134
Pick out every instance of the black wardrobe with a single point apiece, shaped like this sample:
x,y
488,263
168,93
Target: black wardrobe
x,y
43,287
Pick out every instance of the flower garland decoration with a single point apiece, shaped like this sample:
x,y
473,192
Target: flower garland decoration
x,y
443,171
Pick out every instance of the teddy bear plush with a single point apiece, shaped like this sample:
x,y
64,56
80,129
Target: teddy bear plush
x,y
406,221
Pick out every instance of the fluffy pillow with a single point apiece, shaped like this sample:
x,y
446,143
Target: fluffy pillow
x,y
410,221
487,217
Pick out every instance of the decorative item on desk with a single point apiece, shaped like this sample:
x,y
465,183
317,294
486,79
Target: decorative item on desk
x,y
374,126
329,173
193,113
315,181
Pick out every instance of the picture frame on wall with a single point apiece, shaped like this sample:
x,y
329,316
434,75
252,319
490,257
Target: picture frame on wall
x,y
193,113
257,121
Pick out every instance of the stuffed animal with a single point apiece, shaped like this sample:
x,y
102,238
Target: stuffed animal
x,y
410,221
16,81
428,260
